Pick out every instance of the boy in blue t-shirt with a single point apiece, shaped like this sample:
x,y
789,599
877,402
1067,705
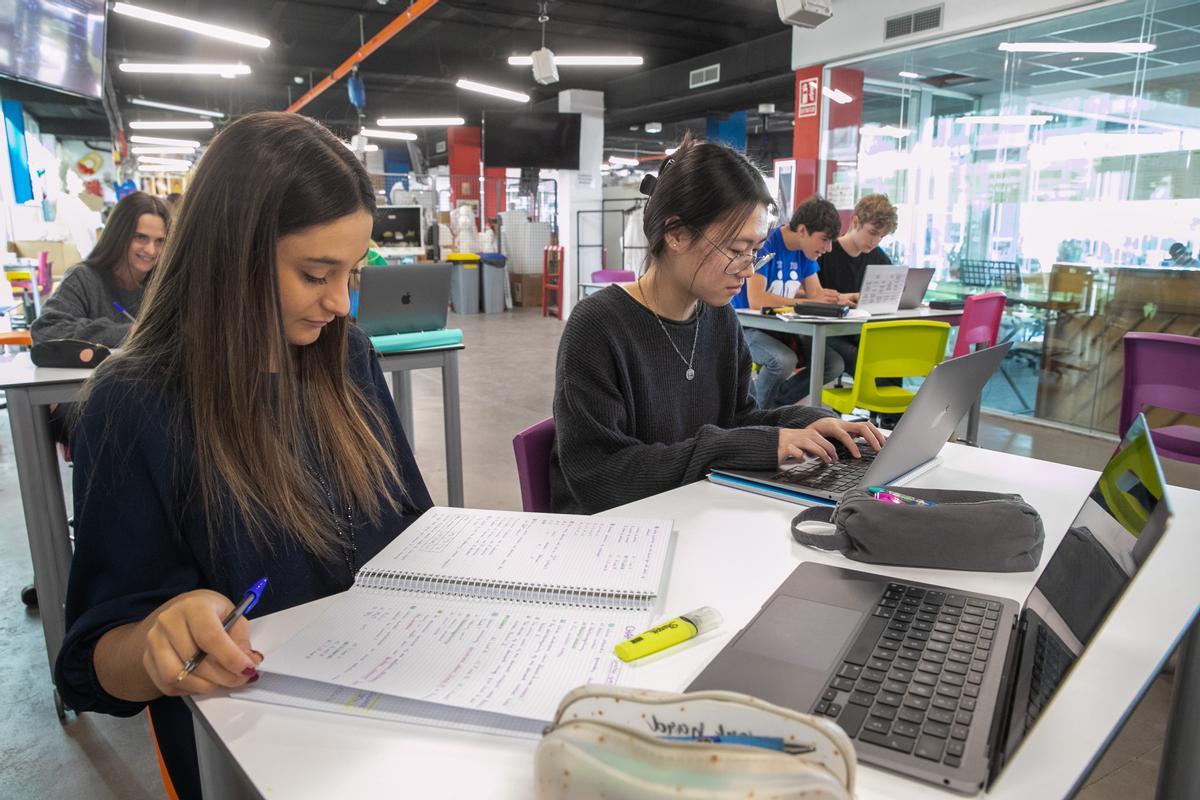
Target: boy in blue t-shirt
x,y
790,275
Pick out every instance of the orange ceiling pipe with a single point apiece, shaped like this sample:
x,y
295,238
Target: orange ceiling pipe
x,y
402,21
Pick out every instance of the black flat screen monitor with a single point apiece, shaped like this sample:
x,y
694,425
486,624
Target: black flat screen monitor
x,y
397,226
525,139
55,43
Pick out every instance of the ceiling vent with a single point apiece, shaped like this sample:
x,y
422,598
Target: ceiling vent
x,y
704,76
929,19
948,79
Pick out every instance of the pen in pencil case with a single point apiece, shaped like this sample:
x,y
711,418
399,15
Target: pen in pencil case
x,y
892,496
767,742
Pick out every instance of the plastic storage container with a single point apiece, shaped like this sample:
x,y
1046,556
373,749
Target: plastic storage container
x,y
464,283
494,276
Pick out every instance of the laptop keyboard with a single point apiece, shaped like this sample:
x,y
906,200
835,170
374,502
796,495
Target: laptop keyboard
x,y
843,474
910,681
1051,660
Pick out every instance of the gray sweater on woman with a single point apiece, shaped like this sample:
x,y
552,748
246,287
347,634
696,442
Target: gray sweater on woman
x,y
82,308
628,423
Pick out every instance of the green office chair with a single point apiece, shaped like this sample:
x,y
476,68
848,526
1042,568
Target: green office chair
x,y
893,349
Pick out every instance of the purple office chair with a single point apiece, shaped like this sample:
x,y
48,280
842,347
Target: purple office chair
x,y
1163,370
613,276
532,447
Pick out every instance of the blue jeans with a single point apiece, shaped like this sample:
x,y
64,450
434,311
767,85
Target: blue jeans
x,y
777,362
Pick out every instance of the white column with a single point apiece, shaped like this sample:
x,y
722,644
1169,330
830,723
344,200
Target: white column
x,y
581,189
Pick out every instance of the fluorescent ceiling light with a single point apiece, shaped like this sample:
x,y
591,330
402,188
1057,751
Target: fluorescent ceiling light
x,y
171,125
163,141
191,25
162,151
581,61
141,101
670,151
173,162
1005,119
907,74
1077,47
403,136
621,161
367,148
836,95
161,168
418,122
184,69
884,130
495,91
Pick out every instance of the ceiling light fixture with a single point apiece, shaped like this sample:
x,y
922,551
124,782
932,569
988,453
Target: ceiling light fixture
x,y
494,91
581,61
192,143
653,127
191,25
906,74
1127,48
836,95
419,122
403,136
162,168
171,125
174,162
184,69
621,161
162,151
1005,119
141,101
670,151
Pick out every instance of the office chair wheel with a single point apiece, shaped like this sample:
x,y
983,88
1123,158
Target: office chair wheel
x,y
29,596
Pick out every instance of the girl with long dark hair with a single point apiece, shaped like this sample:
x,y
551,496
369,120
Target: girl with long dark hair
x,y
244,431
653,381
88,302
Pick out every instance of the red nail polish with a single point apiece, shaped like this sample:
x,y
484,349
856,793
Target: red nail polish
x,y
252,680
250,672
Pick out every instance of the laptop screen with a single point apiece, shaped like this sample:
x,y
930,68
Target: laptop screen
x,y
1122,519
397,226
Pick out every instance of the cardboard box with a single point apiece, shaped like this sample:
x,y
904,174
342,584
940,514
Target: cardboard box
x,y
526,290
63,255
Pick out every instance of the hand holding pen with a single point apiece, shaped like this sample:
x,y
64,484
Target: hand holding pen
x,y
249,600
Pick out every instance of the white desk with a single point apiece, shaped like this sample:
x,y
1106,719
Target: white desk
x,y
819,329
31,390
733,550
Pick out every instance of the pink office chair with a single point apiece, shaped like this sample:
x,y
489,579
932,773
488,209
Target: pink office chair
x,y
532,448
613,276
1161,370
980,325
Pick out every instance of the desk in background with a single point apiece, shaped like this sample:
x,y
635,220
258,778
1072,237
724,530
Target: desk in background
x,y
733,550
821,328
31,390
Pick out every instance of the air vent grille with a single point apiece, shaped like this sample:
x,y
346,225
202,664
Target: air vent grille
x,y
704,76
928,19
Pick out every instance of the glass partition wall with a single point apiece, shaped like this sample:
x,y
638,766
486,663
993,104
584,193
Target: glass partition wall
x,y
1067,178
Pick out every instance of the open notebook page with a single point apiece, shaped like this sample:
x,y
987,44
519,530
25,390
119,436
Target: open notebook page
x,y
610,554
516,659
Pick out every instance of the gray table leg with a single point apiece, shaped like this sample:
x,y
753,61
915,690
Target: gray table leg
x,y
816,366
219,776
402,395
1179,775
452,419
973,423
45,512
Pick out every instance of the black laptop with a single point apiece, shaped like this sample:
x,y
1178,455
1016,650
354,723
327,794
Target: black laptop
x,y
403,299
938,684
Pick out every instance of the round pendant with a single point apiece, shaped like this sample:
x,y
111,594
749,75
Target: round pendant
x,y
691,373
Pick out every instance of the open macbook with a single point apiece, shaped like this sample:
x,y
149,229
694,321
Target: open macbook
x,y
403,299
882,287
915,285
943,685
939,405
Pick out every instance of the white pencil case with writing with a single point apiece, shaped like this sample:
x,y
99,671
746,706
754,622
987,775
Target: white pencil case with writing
x,y
635,744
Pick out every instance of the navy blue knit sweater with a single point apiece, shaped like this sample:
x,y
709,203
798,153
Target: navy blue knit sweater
x,y
141,539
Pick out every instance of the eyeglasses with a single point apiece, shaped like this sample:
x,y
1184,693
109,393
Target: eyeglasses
x,y
738,261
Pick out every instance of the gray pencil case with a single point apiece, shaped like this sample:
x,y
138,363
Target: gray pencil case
x,y
977,531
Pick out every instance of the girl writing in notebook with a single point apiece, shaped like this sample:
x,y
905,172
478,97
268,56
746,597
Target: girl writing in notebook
x,y
653,381
245,431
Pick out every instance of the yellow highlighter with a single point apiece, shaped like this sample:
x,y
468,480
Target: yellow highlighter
x,y
672,632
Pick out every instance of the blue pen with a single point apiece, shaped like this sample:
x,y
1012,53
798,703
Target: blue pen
x,y
248,602
121,308
768,742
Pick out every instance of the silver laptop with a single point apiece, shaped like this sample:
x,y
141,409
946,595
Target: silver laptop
x,y
403,299
942,685
939,405
882,287
914,287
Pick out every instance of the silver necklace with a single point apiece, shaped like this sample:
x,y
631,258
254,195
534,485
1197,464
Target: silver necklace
x,y
687,362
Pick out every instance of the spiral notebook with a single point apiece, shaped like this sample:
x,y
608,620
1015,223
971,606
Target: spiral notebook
x,y
479,619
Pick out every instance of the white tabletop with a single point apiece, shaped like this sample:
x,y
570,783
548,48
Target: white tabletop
x,y
20,371
733,550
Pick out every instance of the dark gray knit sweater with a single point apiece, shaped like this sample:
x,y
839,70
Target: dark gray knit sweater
x,y
628,422
82,308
